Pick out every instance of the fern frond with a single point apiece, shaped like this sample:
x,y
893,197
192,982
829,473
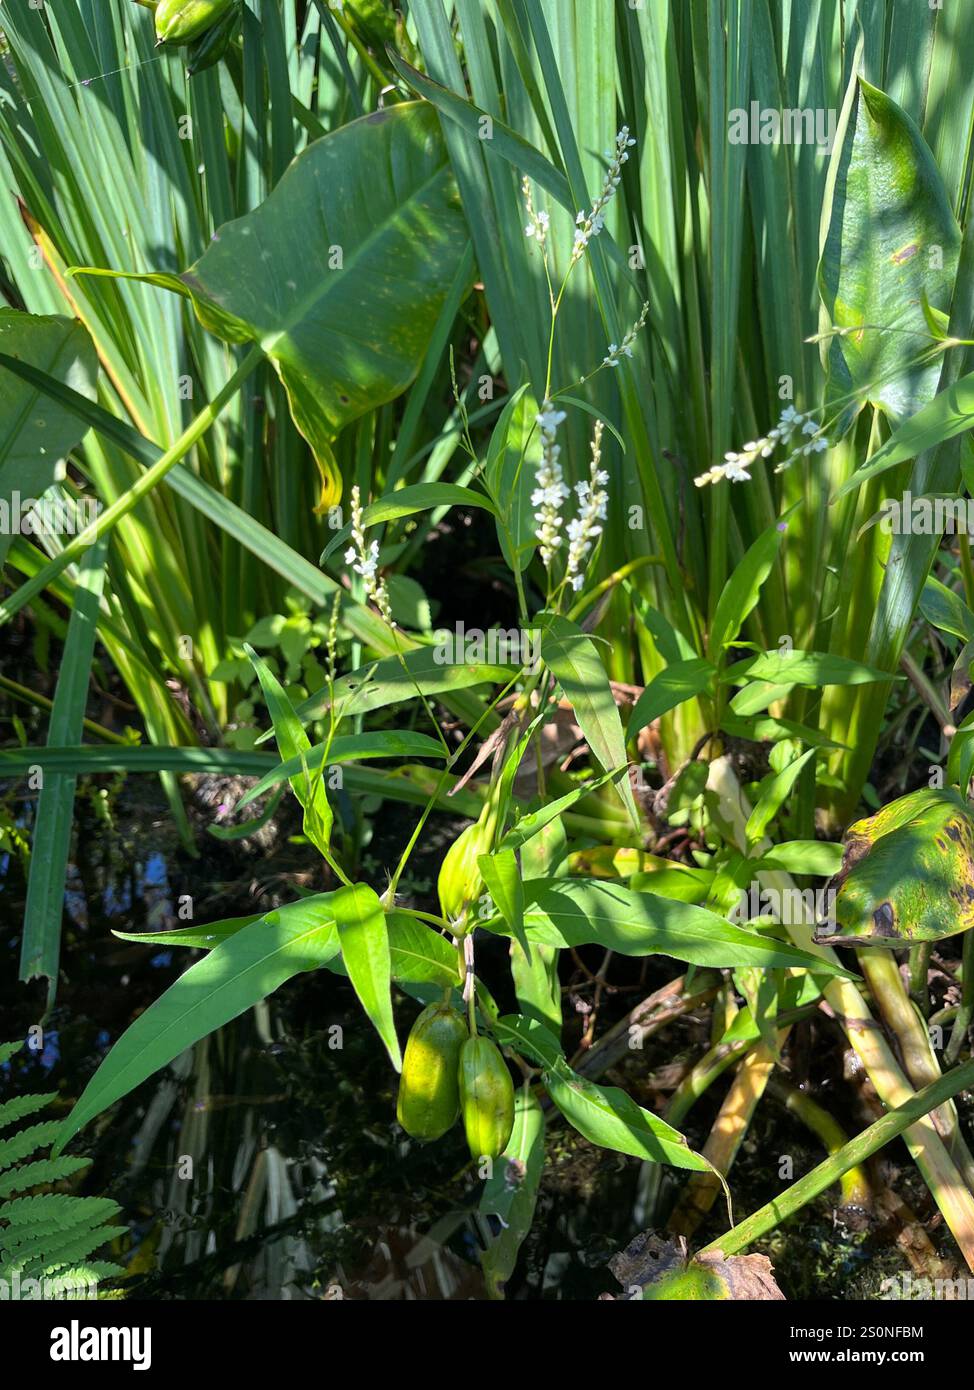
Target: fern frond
x,y
50,1254
57,1206
47,1233
12,1150
19,1106
48,1236
41,1171
82,1276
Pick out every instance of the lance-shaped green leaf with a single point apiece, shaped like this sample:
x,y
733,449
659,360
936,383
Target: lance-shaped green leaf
x,y
294,747
364,941
907,874
892,243
573,659
742,591
503,880
946,610
679,681
513,456
242,970
787,668
951,412
578,911
535,821
511,1192
340,275
609,1117
346,748
424,670
407,501
35,432
41,941
603,1114
201,938
773,791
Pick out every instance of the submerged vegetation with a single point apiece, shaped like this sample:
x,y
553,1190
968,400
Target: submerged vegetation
x,y
462,457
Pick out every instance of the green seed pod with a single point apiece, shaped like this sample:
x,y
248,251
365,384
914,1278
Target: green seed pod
x,y
210,47
460,883
182,21
429,1090
486,1098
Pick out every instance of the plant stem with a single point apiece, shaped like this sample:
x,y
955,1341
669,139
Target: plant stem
x,y
855,1185
919,969
966,1011
76,547
726,1136
886,985
931,1157
31,697
856,1151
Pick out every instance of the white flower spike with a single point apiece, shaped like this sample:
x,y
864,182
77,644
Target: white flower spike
x,y
551,491
592,504
791,421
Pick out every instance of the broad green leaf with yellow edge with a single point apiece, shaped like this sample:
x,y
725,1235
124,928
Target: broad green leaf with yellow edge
x,y
340,275
907,874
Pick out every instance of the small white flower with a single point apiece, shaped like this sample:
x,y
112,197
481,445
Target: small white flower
x,y
538,222
590,224
593,500
549,495
364,560
616,351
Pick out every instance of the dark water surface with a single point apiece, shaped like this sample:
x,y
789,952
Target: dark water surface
x,y
266,1162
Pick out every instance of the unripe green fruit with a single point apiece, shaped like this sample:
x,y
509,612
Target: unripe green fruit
x,y
486,1098
460,882
181,21
429,1090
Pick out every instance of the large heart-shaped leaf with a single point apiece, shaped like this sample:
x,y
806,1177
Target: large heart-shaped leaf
x,y
36,432
341,273
891,246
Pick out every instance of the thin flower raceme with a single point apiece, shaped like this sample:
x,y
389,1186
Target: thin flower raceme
x,y
592,503
551,492
617,351
538,222
364,560
589,224
737,463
